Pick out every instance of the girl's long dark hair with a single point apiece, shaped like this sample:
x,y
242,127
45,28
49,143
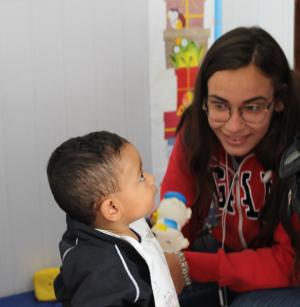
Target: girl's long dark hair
x,y
235,49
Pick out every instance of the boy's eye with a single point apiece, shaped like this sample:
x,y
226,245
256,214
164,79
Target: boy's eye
x,y
142,177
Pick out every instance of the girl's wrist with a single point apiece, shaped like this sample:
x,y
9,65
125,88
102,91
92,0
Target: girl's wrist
x,y
184,268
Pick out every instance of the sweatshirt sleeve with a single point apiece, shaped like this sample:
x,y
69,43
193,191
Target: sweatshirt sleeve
x,y
246,270
178,176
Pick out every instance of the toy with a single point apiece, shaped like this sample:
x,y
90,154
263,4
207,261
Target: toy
x,y
43,284
171,215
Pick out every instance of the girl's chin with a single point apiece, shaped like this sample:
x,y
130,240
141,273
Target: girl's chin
x,y
237,146
236,151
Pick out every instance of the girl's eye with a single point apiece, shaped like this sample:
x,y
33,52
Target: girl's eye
x,y
253,108
219,106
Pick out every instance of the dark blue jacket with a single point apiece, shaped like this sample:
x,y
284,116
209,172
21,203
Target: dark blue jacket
x,y
100,270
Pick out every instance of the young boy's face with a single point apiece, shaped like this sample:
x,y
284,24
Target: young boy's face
x,y
137,189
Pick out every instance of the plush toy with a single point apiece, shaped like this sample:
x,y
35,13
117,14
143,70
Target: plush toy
x,y
171,215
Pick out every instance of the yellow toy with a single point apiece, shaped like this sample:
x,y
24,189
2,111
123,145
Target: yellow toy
x,y
43,284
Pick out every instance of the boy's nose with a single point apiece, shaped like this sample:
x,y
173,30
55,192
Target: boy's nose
x,y
151,178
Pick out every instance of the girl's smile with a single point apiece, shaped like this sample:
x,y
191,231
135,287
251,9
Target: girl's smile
x,y
236,140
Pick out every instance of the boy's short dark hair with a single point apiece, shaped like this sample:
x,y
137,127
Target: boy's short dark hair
x,y
83,170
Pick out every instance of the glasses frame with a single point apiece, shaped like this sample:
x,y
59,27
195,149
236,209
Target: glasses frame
x,y
240,110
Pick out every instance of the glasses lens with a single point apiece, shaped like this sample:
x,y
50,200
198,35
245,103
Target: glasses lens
x,y
218,112
253,115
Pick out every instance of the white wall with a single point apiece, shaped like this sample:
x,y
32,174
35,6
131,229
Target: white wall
x,y
68,67
276,16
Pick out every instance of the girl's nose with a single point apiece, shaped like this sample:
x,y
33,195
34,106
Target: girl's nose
x,y
235,122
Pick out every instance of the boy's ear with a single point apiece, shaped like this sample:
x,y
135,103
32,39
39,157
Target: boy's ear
x,y
110,210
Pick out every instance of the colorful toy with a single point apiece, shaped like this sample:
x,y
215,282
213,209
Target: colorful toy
x,y
43,284
171,215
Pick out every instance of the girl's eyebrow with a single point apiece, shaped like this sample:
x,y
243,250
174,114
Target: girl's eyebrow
x,y
217,98
256,98
252,99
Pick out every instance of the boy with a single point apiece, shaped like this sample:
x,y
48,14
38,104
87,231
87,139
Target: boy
x,y
109,255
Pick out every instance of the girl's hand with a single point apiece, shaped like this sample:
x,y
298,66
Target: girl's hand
x,y
175,270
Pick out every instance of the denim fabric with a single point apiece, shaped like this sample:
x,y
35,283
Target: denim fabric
x,y
207,295
289,297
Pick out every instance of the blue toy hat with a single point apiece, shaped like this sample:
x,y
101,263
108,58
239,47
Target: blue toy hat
x,y
173,194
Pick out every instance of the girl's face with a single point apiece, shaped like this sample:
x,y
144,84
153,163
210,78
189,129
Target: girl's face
x,y
241,89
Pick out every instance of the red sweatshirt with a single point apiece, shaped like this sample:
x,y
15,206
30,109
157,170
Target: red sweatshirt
x,y
244,269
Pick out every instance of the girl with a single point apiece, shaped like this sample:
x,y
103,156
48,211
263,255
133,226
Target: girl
x,y
243,234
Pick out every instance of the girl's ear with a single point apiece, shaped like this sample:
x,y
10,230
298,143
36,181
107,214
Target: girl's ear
x,y
278,106
110,210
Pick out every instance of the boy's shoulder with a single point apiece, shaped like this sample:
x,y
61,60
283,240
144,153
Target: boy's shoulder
x,y
90,249
87,247
84,249
91,253
81,242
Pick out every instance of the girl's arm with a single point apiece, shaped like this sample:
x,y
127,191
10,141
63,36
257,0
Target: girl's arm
x,y
178,177
247,270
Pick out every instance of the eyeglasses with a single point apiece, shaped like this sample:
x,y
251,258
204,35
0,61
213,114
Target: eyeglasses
x,y
253,113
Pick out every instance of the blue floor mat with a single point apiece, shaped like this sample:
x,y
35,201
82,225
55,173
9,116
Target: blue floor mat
x,y
26,299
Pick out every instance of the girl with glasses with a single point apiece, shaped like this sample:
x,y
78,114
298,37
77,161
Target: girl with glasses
x,y
244,237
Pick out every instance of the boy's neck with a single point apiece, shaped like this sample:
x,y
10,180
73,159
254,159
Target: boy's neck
x,y
120,230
